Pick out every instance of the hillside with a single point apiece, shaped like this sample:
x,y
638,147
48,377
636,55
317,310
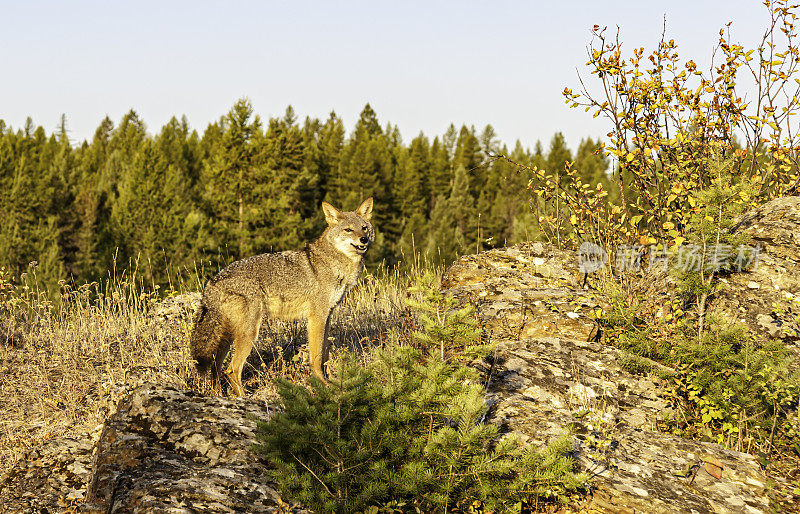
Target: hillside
x,y
555,364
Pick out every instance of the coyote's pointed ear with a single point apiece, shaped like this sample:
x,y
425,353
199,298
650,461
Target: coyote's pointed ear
x,y
365,209
332,215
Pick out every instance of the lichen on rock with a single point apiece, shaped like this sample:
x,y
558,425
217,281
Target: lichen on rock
x,y
543,379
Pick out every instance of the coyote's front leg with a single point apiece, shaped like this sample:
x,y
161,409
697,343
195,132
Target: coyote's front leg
x,y
317,342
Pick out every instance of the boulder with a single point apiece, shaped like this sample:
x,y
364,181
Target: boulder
x,y
50,478
548,372
535,290
767,297
167,450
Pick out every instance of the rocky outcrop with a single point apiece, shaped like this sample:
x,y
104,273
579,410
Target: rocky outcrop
x,y
176,451
767,298
51,478
543,379
539,294
167,450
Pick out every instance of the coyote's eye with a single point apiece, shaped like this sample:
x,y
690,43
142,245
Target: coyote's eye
x,y
348,230
364,228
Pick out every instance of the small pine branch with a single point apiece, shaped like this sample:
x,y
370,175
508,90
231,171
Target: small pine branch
x,y
453,331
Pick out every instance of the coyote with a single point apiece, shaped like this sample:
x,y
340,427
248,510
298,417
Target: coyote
x,y
291,285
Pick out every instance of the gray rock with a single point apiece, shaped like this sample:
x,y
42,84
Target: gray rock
x,y
548,372
532,290
167,450
767,298
50,478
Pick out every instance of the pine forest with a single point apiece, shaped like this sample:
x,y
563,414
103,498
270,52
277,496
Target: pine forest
x,y
175,201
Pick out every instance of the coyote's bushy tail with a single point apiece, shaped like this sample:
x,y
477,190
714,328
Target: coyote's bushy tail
x,y
206,339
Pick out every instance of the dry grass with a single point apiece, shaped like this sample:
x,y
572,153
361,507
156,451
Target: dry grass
x,y
64,367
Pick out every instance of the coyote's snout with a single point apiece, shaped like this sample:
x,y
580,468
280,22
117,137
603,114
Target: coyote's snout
x,y
302,284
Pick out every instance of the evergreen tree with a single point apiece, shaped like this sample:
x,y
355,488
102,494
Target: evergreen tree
x,y
468,154
46,263
413,191
63,176
368,122
240,190
34,195
11,223
94,249
363,158
489,141
211,140
445,241
390,216
449,141
180,148
591,162
413,239
123,145
440,178
522,155
521,221
525,227
463,206
404,428
453,223
558,154
512,197
286,189
492,224
331,142
539,160
149,214
229,178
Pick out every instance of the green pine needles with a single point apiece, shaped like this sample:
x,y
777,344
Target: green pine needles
x,y
452,331
408,429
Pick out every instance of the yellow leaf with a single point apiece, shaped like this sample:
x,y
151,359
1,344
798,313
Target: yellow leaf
x,y
713,467
630,157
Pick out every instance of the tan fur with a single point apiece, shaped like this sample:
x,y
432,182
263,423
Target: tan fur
x,y
303,284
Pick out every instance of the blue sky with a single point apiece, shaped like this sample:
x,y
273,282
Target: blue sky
x,y
421,65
